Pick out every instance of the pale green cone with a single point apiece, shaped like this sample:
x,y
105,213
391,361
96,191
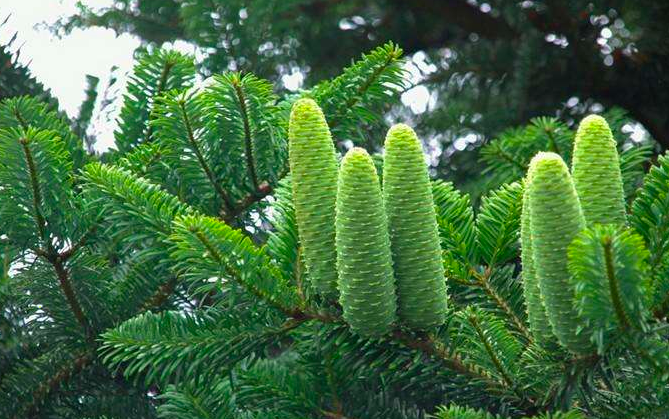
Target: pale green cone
x,y
414,237
313,167
555,219
536,311
596,173
366,283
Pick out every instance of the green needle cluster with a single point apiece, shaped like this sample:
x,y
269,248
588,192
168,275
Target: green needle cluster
x,y
414,236
536,311
366,283
596,173
313,167
555,219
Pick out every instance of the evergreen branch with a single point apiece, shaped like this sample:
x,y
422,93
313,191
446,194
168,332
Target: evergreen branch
x,y
154,74
161,295
551,140
53,383
28,113
613,285
429,346
66,285
289,311
483,281
263,190
353,100
229,206
491,353
248,145
20,118
37,196
186,347
169,64
624,323
50,253
294,312
500,152
335,415
236,255
65,255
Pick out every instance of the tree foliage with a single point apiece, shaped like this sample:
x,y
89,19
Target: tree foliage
x,y
167,279
487,65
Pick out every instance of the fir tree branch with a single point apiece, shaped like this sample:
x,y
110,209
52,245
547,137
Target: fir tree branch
x,y
37,195
553,143
491,353
66,286
161,295
20,119
161,86
483,281
50,254
626,326
248,145
613,286
289,311
227,202
65,255
41,393
429,346
263,190
353,100
510,159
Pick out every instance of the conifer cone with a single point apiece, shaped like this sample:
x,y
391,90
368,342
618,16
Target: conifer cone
x,y
366,283
414,237
536,311
596,173
555,219
313,167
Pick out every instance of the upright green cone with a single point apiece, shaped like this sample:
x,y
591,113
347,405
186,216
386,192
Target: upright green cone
x,y
366,283
536,311
596,173
414,237
313,167
555,219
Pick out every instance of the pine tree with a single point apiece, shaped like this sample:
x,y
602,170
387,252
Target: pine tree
x,y
487,65
167,278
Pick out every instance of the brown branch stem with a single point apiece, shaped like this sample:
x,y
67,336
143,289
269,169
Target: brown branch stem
x,y
227,202
248,141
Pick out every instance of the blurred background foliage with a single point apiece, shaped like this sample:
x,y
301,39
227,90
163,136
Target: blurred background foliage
x,y
479,68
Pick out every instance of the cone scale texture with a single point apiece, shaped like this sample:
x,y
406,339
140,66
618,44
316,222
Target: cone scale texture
x,y
366,283
596,173
536,311
313,167
414,236
555,219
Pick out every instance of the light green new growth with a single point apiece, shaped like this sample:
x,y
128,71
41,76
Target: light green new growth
x,y
536,311
555,219
414,236
596,173
366,283
313,167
